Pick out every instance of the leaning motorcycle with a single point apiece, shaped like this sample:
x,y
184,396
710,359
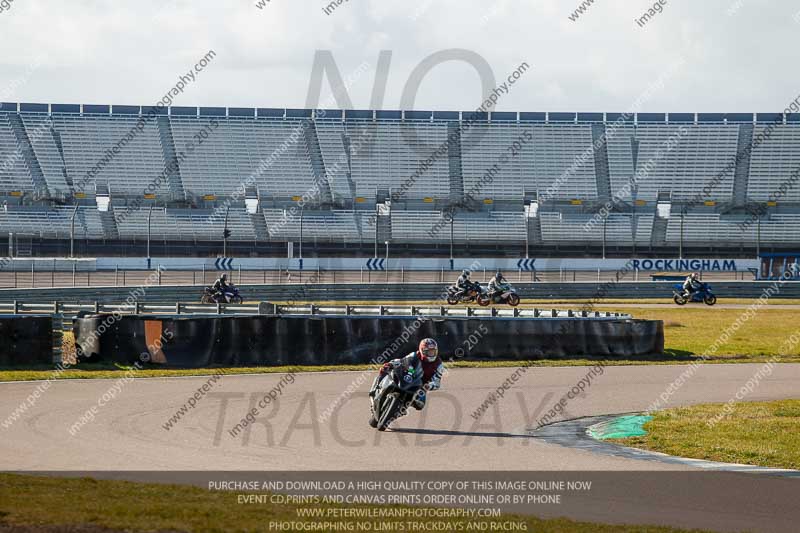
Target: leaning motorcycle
x,y
393,396
703,294
506,294
475,293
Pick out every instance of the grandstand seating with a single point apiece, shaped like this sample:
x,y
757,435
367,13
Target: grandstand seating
x,y
14,172
55,157
88,142
773,162
701,153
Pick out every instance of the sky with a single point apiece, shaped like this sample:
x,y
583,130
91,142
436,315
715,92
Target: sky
x,y
704,56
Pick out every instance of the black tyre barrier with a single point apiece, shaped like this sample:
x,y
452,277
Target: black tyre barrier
x,y
26,340
326,340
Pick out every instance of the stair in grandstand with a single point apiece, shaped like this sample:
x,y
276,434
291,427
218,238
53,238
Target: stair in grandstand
x,y
602,173
454,160
26,149
170,155
349,172
109,223
742,173
60,146
317,163
383,228
534,230
635,153
659,235
260,226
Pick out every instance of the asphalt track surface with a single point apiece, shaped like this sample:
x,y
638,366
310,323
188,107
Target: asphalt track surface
x,y
128,433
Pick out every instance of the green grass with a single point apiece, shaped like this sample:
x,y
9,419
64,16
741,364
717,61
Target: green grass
x,y
121,505
688,332
754,433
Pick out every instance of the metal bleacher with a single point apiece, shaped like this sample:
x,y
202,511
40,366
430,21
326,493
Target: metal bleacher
x,y
15,176
236,148
772,163
702,152
320,176
88,142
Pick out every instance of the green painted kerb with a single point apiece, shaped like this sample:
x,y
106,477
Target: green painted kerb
x,y
620,427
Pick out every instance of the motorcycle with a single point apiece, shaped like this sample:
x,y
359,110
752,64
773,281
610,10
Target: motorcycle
x,y
475,293
231,295
703,294
506,294
393,396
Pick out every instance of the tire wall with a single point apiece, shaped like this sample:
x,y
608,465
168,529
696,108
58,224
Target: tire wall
x,y
335,340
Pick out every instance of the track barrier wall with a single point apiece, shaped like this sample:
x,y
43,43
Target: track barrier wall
x,y
334,340
27,340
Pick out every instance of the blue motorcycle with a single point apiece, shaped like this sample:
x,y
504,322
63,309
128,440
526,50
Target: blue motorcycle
x,y
703,294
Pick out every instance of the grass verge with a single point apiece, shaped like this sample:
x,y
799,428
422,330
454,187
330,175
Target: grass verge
x,y
754,433
122,505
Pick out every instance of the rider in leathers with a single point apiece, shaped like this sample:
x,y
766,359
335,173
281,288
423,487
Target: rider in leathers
x,y
426,360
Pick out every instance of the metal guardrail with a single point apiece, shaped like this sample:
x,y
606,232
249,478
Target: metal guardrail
x,y
64,309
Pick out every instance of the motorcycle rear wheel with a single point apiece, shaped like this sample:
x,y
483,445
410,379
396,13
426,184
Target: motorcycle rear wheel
x,y
483,300
678,299
206,299
452,300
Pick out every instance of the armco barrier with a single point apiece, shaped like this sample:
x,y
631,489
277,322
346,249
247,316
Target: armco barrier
x,y
27,340
323,340
398,292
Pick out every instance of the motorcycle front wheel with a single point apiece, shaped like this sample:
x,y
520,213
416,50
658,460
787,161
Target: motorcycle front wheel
x,y
389,412
237,300
710,299
513,300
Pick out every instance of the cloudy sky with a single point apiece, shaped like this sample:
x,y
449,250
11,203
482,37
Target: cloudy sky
x,y
709,55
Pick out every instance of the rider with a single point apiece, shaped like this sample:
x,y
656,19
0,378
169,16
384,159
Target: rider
x,y
463,283
497,284
221,285
692,283
425,360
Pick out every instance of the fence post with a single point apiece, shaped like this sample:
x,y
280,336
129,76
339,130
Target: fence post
x,y
73,275
240,274
362,273
33,274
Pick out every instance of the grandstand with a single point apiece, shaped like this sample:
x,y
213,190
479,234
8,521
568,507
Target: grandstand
x,y
105,180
